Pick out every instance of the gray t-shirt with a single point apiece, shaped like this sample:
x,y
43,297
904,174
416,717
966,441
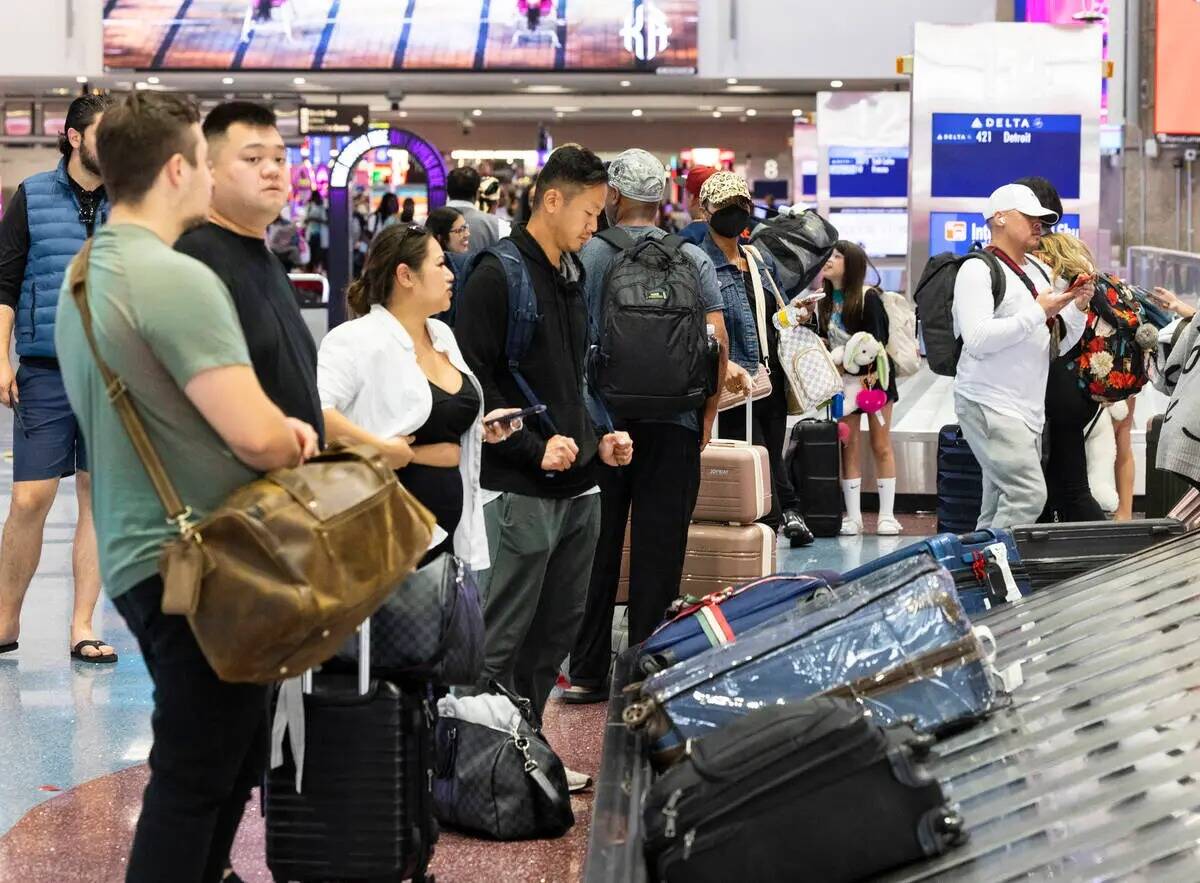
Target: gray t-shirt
x,y
160,318
596,257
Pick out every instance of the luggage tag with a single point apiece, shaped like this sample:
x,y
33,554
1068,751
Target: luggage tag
x,y
999,552
1011,677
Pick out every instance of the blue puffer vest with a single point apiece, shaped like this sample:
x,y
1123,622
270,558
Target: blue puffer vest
x,y
55,236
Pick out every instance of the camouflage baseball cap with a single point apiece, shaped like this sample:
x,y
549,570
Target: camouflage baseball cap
x,y
722,189
638,175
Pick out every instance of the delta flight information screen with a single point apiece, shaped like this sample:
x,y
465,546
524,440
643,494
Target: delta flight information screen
x,y
973,154
868,172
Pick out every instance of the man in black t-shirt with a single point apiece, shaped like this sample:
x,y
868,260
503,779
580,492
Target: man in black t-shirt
x,y
250,187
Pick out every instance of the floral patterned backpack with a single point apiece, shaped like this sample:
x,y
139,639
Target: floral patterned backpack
x,y
1116,345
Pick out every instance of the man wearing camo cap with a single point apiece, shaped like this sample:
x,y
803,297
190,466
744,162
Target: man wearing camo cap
x,y
662,482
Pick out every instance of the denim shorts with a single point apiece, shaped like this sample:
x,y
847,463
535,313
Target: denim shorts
x,y
47,441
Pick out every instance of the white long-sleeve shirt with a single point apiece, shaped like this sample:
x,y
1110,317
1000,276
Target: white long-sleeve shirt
x,y
1006,351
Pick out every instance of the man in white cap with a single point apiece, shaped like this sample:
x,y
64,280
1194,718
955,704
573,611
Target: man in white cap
x,y
1000,385
662,482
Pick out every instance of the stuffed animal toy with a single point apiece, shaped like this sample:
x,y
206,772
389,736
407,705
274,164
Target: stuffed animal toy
x,y
863,353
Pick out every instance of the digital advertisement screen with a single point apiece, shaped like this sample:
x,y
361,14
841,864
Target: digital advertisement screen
x,y
882,232
973,154
856,172
958,231
1072,12
409,35
1177,68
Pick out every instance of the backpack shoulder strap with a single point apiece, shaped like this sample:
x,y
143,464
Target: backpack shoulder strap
x,y
997,272
617,238
673,242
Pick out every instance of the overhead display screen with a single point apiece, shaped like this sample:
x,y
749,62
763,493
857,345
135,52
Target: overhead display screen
x,y
410,35
856,172
882,232
959,231
973,154
1177,67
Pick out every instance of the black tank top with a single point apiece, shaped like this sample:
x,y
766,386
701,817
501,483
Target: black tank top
x,y
439,488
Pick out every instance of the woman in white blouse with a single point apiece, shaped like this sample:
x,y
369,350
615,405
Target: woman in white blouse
x,y
394,378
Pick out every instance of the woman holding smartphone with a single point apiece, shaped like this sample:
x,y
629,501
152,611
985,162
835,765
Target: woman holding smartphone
x,y
395,378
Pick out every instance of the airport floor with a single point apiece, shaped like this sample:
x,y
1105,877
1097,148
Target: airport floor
x,y
75,737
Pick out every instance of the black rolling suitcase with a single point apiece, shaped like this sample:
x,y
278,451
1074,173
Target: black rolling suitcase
x,y
959,483
811,791
365,809
1053,553
815,469
1163,489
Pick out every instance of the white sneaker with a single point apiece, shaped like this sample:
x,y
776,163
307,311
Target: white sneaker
x,y
888,527
851,527
577,782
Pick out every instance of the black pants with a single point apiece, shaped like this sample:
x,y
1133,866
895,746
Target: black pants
x,y
770,429
1068,413
210,740
660,485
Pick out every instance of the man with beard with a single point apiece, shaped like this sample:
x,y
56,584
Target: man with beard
x,y
49,218
250,187
165,325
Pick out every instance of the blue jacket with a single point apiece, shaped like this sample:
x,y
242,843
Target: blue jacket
x,y
694,232
55,236
744,347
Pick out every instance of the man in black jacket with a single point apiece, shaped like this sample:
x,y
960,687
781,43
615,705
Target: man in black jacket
x,y
544,514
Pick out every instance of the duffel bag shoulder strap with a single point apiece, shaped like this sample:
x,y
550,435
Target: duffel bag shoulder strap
x,y
780,301
118,394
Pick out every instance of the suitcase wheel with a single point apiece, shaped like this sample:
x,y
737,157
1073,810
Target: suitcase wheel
x,y
637,714
950,823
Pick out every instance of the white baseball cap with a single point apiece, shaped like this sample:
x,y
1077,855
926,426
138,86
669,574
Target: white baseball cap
x,y
1018,198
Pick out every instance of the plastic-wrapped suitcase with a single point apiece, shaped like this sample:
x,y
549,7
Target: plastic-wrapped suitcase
x,y
795,787
815,469
896,640
722,555
959,483
987,568
1056,552
365,808
735,483
1163,489
719,618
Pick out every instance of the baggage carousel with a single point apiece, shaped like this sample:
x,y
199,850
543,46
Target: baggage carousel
x,y
1091,772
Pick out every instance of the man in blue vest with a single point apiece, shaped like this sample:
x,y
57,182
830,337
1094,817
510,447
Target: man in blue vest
x,y
49,218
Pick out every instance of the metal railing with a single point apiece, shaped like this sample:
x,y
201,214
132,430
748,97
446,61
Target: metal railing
x,y
1176,270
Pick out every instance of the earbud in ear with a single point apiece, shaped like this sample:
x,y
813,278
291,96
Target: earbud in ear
x,y
1001,222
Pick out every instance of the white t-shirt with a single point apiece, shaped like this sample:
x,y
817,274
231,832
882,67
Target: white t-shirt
x,y
1006,351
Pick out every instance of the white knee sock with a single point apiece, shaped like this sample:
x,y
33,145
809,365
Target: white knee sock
x,y
887,498
852,494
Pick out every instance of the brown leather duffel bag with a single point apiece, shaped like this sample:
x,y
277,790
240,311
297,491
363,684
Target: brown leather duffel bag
x,y
280,575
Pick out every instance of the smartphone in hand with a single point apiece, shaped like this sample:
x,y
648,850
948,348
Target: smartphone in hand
x,y
518,415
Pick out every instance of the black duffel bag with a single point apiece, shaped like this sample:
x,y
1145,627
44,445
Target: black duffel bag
x,y
498,778
430,627
800,242
810,791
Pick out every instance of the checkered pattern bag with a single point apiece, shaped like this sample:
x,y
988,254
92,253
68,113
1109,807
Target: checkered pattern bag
x,y
811,372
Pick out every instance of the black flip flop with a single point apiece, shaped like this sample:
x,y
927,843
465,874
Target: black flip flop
x,y
78,654
9,647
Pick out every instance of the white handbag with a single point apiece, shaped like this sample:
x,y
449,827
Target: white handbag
x,y
811,374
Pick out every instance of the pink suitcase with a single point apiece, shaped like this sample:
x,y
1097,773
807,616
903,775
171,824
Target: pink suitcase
x,y
722,555
735,480
1187,510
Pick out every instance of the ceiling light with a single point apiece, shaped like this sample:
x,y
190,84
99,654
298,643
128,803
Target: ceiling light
x,y
299,81
797,112
81,79
548,89
751,112
566,108
559,114
625,84
477,112
837,84
228,81
402,113
140,86
731,81
516,81
716,114
153,81
751,89
637,111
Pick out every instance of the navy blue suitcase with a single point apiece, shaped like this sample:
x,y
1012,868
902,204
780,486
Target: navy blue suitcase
x,y
721,617
959,483
897,641
986,566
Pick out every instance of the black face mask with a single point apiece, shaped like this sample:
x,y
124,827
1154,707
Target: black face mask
x,y
730,221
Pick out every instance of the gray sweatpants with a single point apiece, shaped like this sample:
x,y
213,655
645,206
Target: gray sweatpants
x,y
1010,458
535,591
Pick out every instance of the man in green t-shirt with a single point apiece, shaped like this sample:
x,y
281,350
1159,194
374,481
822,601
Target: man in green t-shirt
x,y
166,325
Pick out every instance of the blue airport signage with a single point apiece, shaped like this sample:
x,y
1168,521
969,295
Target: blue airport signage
x,y
959,231
867,172
974,153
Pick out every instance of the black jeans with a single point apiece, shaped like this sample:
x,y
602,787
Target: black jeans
x,y
210,740
1068,413
770,429
660,485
